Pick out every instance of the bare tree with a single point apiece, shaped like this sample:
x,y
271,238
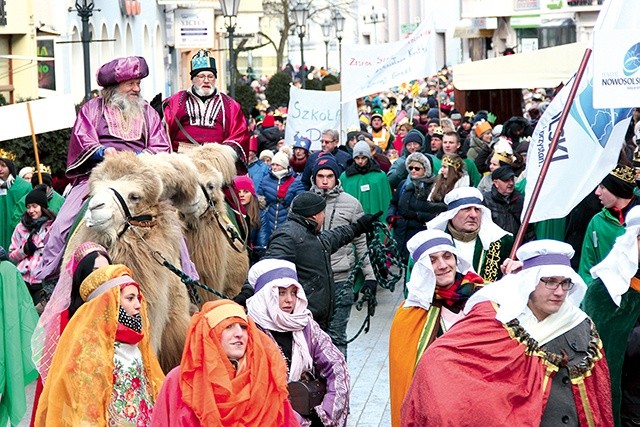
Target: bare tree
x,y
280,10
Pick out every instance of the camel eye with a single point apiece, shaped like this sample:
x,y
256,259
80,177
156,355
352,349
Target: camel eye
x,y
134,197
210,186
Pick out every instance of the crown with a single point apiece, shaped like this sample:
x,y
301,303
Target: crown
x,y
438,131
491,117
455,163
636,158
45,169
469,114
624,173
6,154
504,157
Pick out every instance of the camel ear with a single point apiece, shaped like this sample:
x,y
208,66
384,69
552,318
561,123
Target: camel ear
x,y
178,174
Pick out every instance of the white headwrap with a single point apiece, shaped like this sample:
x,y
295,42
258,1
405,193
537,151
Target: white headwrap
x,y
617,269
422,286
464,197
541,258
266,277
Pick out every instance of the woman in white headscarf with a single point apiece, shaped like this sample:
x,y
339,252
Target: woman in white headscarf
x,y
279,307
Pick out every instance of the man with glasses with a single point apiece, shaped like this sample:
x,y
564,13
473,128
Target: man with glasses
x,y
202,114
524,354
330,143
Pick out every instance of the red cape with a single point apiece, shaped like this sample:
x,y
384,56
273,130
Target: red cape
x,y
497,383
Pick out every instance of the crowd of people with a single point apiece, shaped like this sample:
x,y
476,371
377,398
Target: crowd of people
x,y
449,184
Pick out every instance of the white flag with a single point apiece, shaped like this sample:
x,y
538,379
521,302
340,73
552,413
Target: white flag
x,y
590,143
48,114
311,112
368,69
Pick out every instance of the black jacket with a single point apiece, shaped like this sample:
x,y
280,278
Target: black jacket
x,y
506,211
268,138
298,241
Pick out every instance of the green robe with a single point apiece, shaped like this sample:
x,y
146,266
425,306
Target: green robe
x,y
472,170
371,189
54,206
614,324
19,189
602,231
19,319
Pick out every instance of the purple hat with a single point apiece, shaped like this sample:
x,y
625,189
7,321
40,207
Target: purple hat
x,y
121,70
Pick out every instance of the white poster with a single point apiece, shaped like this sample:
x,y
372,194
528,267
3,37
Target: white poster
x,y
311,112
48,114
616,71
194,28
368,69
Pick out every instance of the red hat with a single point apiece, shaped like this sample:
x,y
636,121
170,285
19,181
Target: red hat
x,y
253,143
268,121
243,182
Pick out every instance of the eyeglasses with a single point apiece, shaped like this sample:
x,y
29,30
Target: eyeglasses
x,y
552,284
203,77
415,168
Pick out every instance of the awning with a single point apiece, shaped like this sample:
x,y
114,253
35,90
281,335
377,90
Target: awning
x,y
540,68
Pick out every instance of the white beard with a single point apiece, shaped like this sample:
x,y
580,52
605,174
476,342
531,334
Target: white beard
x,y
130,109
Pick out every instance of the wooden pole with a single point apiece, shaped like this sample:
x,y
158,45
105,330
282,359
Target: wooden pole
x,y
35,143
549,156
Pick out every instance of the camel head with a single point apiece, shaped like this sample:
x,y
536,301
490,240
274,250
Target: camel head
x,y
211,183
137,182
220,157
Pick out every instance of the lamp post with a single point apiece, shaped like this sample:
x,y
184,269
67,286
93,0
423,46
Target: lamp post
x,y
230,10
375,18
85,11
326,32
338,21
300,14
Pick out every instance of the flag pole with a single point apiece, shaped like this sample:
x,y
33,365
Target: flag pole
x,y
552,148
35,143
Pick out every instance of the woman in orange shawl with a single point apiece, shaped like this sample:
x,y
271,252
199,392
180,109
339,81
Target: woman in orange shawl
x,y
231,375
104,371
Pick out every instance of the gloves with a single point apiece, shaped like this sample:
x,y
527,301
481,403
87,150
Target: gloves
x,y
364,224
246,293
29,247
411,215
371,285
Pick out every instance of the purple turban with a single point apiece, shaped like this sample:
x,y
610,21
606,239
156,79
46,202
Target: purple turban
x,y
121,70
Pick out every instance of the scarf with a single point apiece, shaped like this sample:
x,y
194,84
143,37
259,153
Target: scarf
x,y
134,322
461,235
455,297
280,174
33,225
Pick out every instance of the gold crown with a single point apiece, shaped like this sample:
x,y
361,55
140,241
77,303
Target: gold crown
x,y
469,114
6,154
504,157
45,169
455,163
624,173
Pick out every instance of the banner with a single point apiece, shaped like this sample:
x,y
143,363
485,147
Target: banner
x,y
368,69
311,112
590,143
48,114
616,68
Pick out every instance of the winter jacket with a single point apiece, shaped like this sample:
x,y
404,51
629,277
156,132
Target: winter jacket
x,y
506,210
257,171
298,241
275,211
398,172
342,208
342,157
479,152
27,264
268,138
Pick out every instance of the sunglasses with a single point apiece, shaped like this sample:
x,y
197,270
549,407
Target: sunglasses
x,y
415,168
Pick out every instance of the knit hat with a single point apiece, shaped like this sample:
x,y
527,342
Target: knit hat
x,y
482,127
413,136
244,182
420,158
38,196
327,161
307,204
620,181
25,171
268,121
302,142
436,121
12,166
503,173
121,70
201,61
266,153
46,179
433,114
455,115
362,148
281,159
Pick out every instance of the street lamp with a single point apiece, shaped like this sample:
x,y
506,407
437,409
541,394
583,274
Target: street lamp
x,y
326,32
85,11
230,10
338,21
300,14
375,18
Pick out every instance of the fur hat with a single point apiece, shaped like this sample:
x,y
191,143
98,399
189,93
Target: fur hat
x,y
281,159
362,148
327,161
307,204
201,61
121,70
38,196
620,181
420,158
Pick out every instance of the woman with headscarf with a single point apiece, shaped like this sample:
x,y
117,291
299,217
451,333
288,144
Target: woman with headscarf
x,y
105,372
441,283
231,375
63,304
279,307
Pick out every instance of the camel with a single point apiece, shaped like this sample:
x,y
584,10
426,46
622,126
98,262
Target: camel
x,y
224,265
148,185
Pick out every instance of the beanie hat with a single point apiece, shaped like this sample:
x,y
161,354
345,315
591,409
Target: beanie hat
x,y
46,179
266,153
413,136
420,158
12,166
362,148
307,204
620,181
244,182
436,121
25,171
433,114
326,161
202,62
268,121
281,159
38,196
482,127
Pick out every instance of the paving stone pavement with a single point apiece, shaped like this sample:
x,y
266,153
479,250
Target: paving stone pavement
x,y
368,360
